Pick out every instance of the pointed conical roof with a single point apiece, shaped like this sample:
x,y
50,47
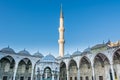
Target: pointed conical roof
x,y
61,12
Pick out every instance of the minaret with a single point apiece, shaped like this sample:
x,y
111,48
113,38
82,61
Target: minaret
x,y
61,34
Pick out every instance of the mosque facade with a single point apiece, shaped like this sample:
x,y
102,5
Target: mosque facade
x,y
99,62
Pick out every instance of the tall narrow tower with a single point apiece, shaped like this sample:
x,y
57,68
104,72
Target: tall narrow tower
x,y
61,34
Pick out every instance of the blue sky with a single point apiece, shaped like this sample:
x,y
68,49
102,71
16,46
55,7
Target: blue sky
x,y
33,24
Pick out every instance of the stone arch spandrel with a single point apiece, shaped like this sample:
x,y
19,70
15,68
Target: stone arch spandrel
x,y
77,59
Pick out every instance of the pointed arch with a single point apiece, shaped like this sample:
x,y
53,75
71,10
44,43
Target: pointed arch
x,y
72,62
63,71
102,66
8,57
85,60
73,69
62,64
26,61
102,58
47,68
47,75
85,68
116,63
24,69
116,56
7,64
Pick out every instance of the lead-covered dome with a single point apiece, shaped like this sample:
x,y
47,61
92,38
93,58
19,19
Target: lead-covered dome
x,y
67,55
49,58
7,50
76,53
38,54
24,52
87,49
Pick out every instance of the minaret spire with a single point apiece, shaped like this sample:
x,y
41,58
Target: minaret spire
x,y
61,34
61,12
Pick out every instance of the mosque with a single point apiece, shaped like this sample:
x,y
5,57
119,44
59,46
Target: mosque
x,y
99,62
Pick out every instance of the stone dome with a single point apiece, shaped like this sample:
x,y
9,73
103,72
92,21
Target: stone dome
x,y
49,58
24,52
76,53
38,54
7,50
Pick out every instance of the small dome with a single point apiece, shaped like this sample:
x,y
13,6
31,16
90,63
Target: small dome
x,y
67,56
49,58
24,52
38,54
98,46
76,53
59,57
7,50
87,49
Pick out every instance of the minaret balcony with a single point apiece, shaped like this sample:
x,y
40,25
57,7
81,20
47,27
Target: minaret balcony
x,y
61,41
61,29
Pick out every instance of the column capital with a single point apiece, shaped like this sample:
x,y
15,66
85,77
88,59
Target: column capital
x,y
92,66
78,70
15,71
78,74
67,70
111,63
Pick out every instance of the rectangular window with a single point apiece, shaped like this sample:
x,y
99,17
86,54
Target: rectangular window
x,y
4,77
87,78
22,78
100,77
92,77
29,78
75,78
81,78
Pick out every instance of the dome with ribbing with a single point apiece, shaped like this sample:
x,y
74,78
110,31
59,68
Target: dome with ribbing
x,y
7,50
38,54
49,58
24,52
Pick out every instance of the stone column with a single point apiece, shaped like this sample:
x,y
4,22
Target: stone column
x,y
58,76
15,70
52,76
78,74
45,75
67,74
93,72
112,71
32,71
40,76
